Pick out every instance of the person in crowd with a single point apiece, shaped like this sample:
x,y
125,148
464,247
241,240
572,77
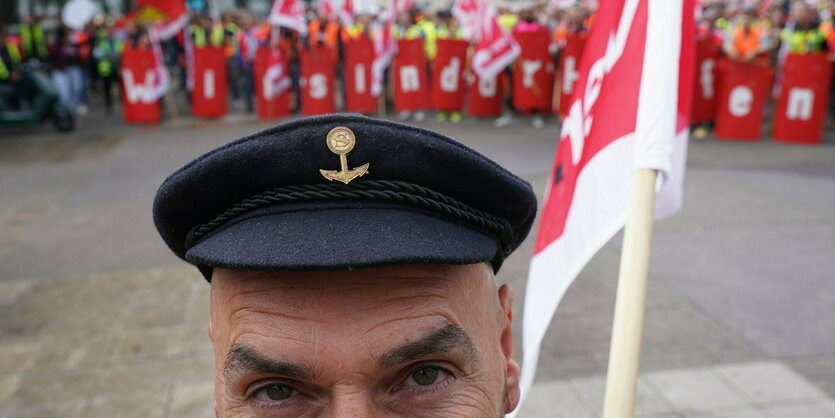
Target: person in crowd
x,y
749,39
10,74
67,75
231,52
33,39
248,43
802,34
106,53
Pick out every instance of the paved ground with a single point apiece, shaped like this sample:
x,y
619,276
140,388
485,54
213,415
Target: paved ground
x,y
97,318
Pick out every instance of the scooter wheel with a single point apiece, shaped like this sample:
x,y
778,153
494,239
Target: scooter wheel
x,y
64,121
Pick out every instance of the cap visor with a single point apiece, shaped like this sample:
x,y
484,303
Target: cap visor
x,y
340,239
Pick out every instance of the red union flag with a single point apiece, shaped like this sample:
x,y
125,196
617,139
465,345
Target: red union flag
x,y
289,13
628,111
495,49
167,16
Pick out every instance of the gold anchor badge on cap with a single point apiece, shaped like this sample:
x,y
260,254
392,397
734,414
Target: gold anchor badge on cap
x,y
341,141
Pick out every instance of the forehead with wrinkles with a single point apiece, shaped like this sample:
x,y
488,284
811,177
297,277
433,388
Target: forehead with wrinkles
x,y
359,297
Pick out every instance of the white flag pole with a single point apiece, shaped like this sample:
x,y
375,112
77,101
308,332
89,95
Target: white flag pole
x,y
625,349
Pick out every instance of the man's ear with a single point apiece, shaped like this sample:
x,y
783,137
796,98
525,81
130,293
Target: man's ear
x,y
512,373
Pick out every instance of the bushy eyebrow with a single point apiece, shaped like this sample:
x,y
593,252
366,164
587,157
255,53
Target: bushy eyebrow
x,y
445,340
244,358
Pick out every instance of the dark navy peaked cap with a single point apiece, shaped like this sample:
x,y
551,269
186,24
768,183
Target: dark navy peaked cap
x,y
276,200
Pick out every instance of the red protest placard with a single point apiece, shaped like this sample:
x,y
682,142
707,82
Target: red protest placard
x,y
804,91
208,98
411,87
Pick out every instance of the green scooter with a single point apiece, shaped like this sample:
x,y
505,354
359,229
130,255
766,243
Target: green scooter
x,y
44,103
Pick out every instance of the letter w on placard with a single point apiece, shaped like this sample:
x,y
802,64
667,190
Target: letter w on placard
x,y
139,92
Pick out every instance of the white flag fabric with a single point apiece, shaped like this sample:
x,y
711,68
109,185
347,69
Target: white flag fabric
x,y
629,110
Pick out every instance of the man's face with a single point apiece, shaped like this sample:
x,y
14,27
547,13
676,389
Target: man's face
x,y
395,341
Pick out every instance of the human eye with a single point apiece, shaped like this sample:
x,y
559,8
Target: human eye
x,y
425,378
274,395
273,392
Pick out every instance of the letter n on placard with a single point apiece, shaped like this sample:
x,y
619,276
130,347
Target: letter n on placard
x,y
409,78
801,102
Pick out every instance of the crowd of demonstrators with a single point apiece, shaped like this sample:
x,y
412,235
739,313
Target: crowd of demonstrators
x,y
763,32
86,62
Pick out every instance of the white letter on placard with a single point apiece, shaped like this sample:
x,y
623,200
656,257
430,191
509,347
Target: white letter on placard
x,y
209,84
318,86
529,68
800,103
487,87
450,75
570,74
409,78
359,78
739,102
138,92
706,78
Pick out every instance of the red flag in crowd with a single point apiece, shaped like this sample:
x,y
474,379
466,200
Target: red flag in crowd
x,y
385,46
629,110
495,49
161,79
289,13
346,13
403,5
276,78
168,16
327,8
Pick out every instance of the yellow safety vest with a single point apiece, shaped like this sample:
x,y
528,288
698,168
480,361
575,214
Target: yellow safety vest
x,y
5,72
33,42
803,41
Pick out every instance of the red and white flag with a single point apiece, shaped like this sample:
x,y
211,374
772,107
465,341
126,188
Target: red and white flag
x,y
290,14
169,17
495,48
276,79
629,110
346,13
385,46
403,5
161,79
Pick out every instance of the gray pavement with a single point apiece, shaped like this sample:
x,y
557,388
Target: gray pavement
x,y
97,318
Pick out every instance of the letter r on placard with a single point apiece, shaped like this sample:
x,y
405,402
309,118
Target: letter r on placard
x,y
529,68
409,78
800,103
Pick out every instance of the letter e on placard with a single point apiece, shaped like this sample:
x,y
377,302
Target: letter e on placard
x,y
739,101
487,87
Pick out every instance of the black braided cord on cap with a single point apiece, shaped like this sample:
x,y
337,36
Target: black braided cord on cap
x,y
368,190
